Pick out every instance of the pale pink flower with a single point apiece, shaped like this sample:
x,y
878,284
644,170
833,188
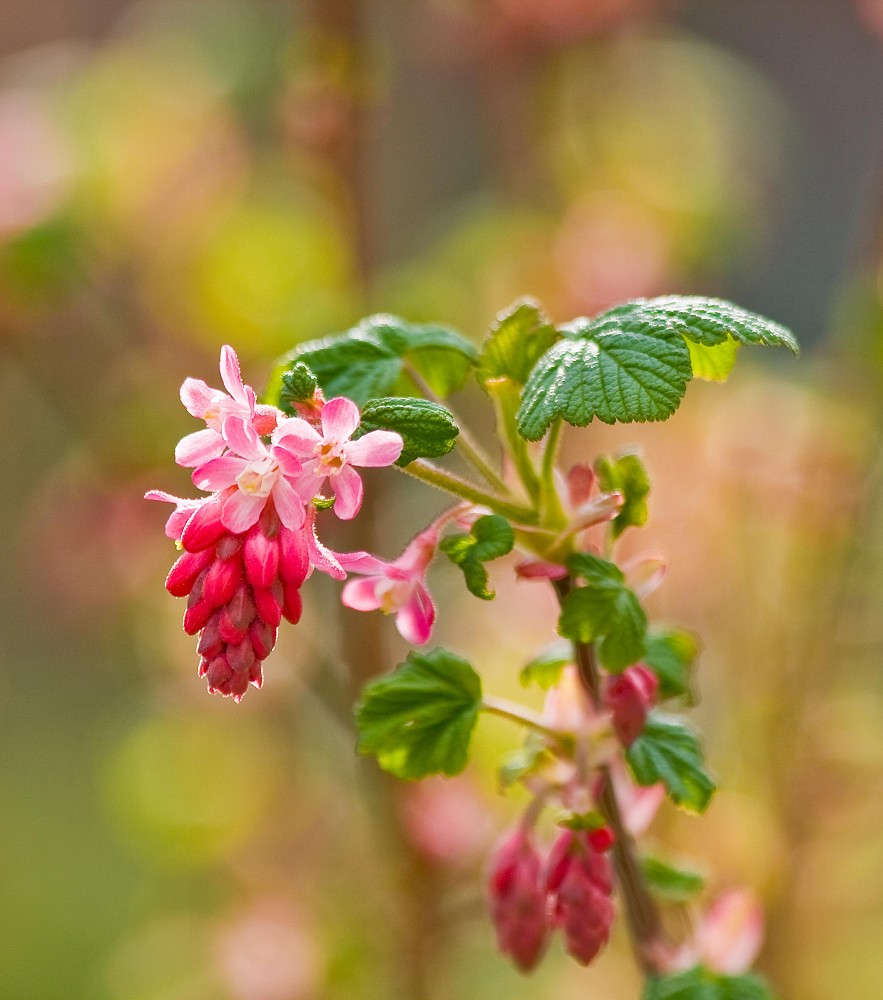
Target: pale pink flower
x,y
184,507
638,803
397,587
257,472
215,407
728,937
331,455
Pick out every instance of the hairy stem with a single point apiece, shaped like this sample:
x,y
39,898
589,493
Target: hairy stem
x,y
441,479
642,916
515,713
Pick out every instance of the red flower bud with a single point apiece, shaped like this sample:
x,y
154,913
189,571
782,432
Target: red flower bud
x,y
186,569
518,900
630,696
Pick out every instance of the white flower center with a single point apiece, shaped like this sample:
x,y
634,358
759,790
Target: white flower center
x,y
394,594
332,458
259,477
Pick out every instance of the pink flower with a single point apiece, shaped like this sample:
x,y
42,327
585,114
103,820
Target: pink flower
x,y
258,473
518,900
728,937
629,696
331,455
184,507
396,587
215,407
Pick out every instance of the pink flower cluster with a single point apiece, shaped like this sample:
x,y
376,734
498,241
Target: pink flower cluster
x,y
249,545
570,891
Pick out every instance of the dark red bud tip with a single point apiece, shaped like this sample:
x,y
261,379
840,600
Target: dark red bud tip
x,y
261,557
268,604
221,581
228,546
294,557
263,638
602,839
196,617
293,605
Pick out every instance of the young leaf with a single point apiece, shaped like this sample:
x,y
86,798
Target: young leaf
x,y
419,719
519,336
623,374
604,610
491,537
627,475
671,655
701,984
545,668
671,884
298,385
668,751
368,361
713,362
428,429
747,987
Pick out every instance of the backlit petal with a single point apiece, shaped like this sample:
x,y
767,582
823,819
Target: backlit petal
x,y
375,450
199,447
231,375
219,473
415,619
348,492
289,505
340,417
361,595
241,511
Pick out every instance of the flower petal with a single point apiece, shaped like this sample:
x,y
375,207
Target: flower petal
x,y
375,450
231,374
219,473
199,447
241,511
242,439
731,933
361,595
340,417
197,397
415,618
362,562
289,505
297,435
348,491
184,507
289,463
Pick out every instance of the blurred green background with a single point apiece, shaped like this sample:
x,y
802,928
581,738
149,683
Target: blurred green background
x,y
177,175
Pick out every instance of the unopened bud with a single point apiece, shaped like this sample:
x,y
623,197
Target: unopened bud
x,y
518,900
630,696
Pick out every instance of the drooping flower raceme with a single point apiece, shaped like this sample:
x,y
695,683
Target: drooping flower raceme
x,y
249,546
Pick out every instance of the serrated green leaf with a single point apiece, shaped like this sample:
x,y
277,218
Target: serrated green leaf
x,y
669,883
713,362
489,538
627,474
545,668
606,610
368,361
298,385
428,429
612,374
519,336
670,655
669,751
419,719
702,320
693,984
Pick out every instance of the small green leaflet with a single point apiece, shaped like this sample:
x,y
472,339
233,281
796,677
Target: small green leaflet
x,y
298,385
627,475
633,363
369,360
419,719
491,537
669,751
520,763
519,336
701,984
670,655
713,362
614,375
606,610
545,668
428,429
671,884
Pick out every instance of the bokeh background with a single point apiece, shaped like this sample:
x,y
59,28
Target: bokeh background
x,y
177,175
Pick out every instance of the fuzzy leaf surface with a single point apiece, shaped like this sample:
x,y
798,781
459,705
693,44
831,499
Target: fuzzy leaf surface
x,y
489,538
606,610
298,385
670,883
518,338
428,429
669,751
419,719
627,475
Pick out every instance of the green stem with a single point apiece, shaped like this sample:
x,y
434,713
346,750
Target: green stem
x,y
441,479
515,713
550,502
467,445
642,916
505,394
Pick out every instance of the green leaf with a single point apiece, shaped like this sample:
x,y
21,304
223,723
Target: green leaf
x,y
520,763
419,719
670,655
490,537
627,475
519,336
669,751
607,610
545,668
368,361
702,320
713,362
428,429
614,374
702,984
671,884
298,385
